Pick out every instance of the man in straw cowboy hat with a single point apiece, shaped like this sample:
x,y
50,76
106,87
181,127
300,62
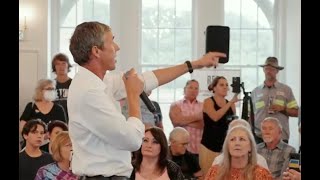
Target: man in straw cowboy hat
x,y
273,99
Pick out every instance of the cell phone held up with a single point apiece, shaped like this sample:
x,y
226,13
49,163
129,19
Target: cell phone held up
x,y
294,161
236,85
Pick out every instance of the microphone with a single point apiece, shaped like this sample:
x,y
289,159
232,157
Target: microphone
x,y
144,97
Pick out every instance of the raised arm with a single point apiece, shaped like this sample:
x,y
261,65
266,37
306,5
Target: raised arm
x,y
166,75
208,108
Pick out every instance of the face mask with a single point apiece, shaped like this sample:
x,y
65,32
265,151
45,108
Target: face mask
x,y
50,95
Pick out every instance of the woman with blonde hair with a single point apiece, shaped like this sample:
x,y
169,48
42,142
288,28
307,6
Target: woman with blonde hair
x,y
42,106
240,158
61,153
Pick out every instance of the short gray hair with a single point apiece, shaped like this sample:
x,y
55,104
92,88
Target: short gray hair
x,y
177,131
274,120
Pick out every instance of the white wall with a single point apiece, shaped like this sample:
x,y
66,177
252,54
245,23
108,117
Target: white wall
x,y
35,41
126,31
293,60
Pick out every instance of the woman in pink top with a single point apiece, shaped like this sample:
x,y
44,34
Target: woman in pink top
x,y
151,161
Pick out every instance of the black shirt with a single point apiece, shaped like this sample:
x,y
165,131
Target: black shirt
x,y
214,132
28,166
32,112
62,92
188,163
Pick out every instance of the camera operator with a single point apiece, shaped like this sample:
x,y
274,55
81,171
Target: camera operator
x,y
217,114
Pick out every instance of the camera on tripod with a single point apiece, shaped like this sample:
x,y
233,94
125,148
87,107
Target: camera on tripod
x,y
247,105
236,85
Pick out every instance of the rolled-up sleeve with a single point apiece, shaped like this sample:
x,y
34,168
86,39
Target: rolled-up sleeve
x,y
150,80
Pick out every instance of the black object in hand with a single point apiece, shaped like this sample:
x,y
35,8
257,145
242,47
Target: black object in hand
x,y
236,85
218,39
144,97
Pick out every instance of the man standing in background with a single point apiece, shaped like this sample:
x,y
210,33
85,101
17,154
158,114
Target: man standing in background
x,y
273,99
187,113
61,66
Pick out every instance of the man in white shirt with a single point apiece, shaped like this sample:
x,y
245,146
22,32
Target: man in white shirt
x,y
102,137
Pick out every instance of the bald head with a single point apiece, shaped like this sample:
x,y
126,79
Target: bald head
x,y
178,133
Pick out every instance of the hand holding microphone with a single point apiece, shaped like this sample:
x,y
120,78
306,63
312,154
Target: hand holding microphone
x,y
134,79
133,83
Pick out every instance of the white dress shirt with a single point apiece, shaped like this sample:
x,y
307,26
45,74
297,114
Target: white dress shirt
x,y
101,137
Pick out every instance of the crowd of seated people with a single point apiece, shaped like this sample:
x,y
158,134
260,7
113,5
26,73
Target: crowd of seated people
x,y
42,107
162,157
157,159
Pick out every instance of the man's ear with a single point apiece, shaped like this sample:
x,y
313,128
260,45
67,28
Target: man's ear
x,y
95,51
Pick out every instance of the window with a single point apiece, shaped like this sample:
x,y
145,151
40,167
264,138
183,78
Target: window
x,y
166,40
252,27
72,13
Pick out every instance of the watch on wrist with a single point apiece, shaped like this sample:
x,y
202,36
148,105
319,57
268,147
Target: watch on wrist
x,y
190,69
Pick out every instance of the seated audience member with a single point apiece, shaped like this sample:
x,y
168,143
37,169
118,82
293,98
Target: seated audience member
x,y
32,158
276,152
54,128
240,158
43,107
260,159
148,118
151,161
179,139
291,174
61,154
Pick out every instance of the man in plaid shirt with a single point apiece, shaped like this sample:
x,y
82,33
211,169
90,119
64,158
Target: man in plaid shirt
x,y
273,149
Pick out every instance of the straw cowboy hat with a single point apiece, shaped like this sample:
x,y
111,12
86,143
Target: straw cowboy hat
x,y
273,62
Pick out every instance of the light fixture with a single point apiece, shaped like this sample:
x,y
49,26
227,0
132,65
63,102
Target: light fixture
x,y
24,14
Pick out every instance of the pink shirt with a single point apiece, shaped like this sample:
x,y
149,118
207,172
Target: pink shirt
x,y
164,176
187,109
